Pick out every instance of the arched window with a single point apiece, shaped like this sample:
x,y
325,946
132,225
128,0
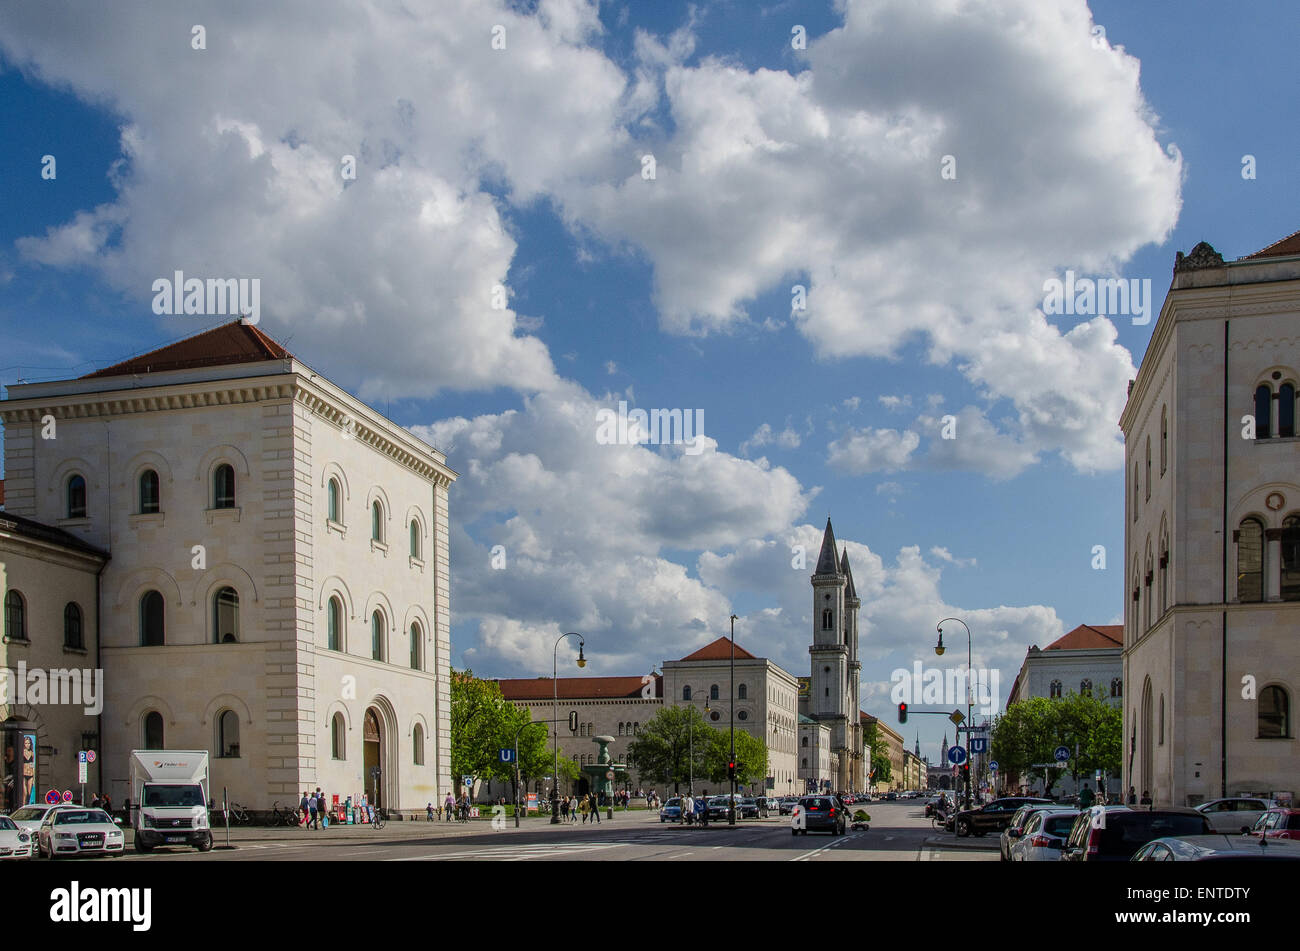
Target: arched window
x,y
1164,572
803,763
223,487
591,728
15,616
636,728
1274,713
334,624
228,735
376,636
1164,439
828,620
1250,560
620,728
803,741
417,742
76,497
713,692
1291,558
415,646
1286,410
332,490
376,521
1054,691
337,737
742,692
225,616
152,620
1148,468
72,636
415,539
153,731
1116,687
686,693
1085,688
1263,410
148,492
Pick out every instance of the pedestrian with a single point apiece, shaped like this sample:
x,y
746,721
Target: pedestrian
x,y
312,804
582,808
322,809
449,805
595,808
1146,798
95,802
1132,796
304,808
428,812
573,810
1086,797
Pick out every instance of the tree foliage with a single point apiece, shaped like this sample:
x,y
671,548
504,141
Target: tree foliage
x,y
483,722
1030,731
662,752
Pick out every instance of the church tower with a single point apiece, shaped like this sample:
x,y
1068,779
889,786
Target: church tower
x,y
835,669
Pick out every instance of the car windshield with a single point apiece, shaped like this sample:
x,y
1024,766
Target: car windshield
x,y
1137,828
7,824
1058,825
177,796
28,813
68,817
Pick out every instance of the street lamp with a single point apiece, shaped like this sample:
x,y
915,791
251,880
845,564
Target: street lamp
x,y
939,649
731,810
555,718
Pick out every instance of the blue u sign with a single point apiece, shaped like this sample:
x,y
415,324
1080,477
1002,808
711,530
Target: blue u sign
x,y
507,755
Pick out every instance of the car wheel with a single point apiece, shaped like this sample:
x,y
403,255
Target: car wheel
x,y
206,844
963,827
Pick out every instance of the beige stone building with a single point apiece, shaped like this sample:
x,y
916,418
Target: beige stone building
x,y
1212,533
278,590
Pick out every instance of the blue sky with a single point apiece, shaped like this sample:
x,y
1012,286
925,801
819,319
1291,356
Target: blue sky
x,y
775,167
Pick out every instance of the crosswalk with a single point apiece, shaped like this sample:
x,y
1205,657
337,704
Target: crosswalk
x,y
522,852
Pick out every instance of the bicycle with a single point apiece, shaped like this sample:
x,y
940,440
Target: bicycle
x,y
379,819
238,815
280,816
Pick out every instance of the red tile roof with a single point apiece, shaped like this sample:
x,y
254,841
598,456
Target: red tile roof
x,y
1090,637
720,650
235,342
1278,249
577,688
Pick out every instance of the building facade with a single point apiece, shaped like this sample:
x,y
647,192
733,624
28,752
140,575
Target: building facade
x,y
1212,533
278,591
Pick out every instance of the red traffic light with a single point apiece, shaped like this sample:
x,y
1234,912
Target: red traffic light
x,y
902,713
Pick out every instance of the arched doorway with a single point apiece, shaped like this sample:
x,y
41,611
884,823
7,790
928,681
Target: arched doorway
x,y
1146,768
373,756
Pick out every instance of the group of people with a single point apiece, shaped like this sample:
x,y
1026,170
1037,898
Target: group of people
x,y
102,801
571,807
450,808
695,809
314,809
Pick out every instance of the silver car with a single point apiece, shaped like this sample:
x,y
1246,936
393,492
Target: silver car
x,y
1234,814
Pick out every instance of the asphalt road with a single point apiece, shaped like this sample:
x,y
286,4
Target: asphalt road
x,y
898,832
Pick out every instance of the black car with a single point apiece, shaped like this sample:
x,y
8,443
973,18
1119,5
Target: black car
x,y
992,817
1115,833
820,814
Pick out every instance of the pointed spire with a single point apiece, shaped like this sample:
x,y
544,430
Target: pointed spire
x,y
850,591
827,562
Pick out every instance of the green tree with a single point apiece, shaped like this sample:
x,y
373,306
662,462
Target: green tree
x,y
882,770
1030,731
662,750
751,758
483,723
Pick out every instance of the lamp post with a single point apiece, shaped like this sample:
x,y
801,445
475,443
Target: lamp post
x,y
555,721
731,809
939,649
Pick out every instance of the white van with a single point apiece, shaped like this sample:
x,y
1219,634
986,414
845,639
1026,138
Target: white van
x,y
169,799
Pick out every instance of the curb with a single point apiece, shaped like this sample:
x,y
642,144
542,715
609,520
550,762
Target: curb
x,y
955,843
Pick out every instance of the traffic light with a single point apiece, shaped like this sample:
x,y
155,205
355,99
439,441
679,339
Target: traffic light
x,y
902,713
573,721
731,769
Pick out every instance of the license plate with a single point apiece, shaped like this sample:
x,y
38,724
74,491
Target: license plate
x,y
175,838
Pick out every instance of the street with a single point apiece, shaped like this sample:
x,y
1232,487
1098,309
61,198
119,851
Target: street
x,y
899,832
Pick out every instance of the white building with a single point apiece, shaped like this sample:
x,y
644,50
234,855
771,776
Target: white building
x,y
278,585
1212,533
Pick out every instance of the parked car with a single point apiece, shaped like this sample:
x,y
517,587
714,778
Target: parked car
x,y
1043,835
671,811
15,843
787,805
1016,827
1280,822
747,808
31,817
819,814
1115,833
1235,814
765,806
891,796
719,808
79,832
1217,847
991,817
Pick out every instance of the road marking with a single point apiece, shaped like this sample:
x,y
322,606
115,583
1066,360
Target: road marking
x,y
830,845
515,853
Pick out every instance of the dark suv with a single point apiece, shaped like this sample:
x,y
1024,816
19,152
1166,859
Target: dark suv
x,y
992,817
820,814
1115,833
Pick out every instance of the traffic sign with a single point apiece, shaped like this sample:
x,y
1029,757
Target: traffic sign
x,y
90,756
81,772
67,795
52,797
956,756
506,755
979,744
1062,753
956,717
81,757
609,774
993,766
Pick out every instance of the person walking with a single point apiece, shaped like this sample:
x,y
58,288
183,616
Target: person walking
x,y
322,809
303,807
1132,796
312,805
1086,797
564,809
573,810
449,805
595,808
1146,798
